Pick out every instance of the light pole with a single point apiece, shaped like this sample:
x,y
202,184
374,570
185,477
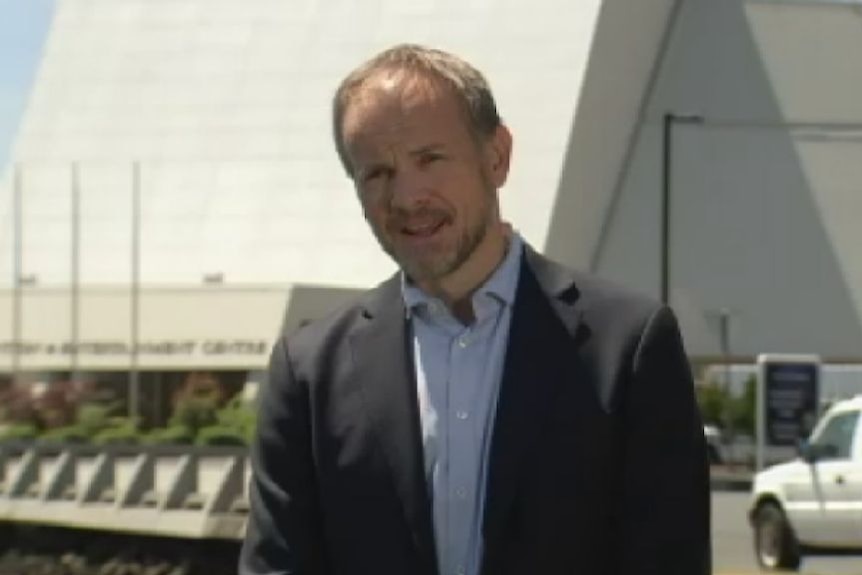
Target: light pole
x,y
669,120
134,367
17,270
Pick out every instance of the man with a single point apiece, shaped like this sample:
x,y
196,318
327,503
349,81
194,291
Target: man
x,y
485,410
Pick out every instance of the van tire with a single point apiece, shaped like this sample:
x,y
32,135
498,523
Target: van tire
x,y
775,544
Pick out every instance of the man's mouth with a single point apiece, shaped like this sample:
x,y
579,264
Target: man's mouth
x,y
423,229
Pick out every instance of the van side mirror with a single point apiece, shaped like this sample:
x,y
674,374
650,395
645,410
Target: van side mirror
x,y
807,451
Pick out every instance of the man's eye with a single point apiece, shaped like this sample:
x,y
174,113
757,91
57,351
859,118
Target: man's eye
x,y
375,173
429,158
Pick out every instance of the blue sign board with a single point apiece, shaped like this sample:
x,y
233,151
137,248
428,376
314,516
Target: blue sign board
x,y
791,392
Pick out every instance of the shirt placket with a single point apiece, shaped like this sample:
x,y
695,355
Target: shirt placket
x,y
462,438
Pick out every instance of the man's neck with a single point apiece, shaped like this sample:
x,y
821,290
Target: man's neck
x,y
456,290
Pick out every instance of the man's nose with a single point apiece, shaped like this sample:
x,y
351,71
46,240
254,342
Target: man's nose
x,y
409,189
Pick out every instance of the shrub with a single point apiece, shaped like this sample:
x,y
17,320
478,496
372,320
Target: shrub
x,y
220,435
18,432
66,434
736,413
171,435
120,431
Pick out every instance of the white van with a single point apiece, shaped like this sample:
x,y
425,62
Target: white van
x,y
813,504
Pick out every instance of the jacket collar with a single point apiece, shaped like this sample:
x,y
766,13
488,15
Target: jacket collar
x,y
557,282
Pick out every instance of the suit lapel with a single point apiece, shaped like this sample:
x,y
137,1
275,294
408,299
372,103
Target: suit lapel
x,y
384,369
544,326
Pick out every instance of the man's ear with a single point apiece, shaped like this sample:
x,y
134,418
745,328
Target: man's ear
x,y
499,153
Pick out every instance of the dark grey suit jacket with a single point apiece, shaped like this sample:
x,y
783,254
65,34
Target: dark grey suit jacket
x,y
597,466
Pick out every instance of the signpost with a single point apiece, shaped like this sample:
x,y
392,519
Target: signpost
x,y
788,398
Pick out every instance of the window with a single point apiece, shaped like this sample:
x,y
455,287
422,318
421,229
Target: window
x,y
836,437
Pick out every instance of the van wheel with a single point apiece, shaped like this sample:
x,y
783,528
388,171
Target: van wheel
x,y
774,542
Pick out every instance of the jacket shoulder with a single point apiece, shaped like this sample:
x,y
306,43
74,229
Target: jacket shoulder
x,y
327,333
623,318
586,291
600,294
614,315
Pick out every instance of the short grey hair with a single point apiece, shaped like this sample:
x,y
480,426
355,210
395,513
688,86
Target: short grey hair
x,y
465,82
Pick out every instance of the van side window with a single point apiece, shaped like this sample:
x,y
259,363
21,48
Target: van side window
x,y
836,437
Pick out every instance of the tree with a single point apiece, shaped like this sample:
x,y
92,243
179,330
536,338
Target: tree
x,y
713,400
741,410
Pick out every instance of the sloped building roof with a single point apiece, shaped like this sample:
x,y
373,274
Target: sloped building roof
x,y
766,200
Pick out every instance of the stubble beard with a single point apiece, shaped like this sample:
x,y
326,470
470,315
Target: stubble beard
x,y
437,265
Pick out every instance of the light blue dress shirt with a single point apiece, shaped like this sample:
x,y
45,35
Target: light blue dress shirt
x,y
458,373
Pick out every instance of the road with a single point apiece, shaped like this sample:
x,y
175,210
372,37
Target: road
x,y
732,546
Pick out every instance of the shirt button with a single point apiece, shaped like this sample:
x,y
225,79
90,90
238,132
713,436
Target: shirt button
x,y
461,493
460,570
463,341
462,415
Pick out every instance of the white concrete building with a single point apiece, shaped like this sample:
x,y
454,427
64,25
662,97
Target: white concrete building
x,y
216,114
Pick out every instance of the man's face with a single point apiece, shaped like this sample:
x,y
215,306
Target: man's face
x,y
428,187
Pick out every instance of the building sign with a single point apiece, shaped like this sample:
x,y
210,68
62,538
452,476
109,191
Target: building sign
x,y
178,328
788,399
209,347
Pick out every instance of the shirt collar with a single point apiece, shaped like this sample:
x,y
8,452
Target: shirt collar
x,y
501,285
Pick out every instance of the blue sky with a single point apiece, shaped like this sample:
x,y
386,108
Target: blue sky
x,y
23,27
